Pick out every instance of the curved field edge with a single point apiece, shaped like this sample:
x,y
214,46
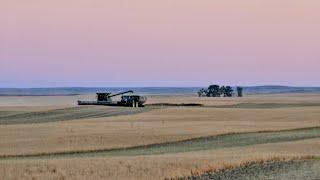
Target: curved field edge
x,y
306,167
66,114
196,144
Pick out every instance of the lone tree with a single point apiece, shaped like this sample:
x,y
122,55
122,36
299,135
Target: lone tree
x,y
240,91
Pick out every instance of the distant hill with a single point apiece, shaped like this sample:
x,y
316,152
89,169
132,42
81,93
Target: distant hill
x,y
279,89
69,91
90,90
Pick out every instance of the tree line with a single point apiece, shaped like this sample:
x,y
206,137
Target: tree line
x,y
217,91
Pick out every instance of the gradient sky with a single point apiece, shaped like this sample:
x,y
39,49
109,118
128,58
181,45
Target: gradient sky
x,y
159,42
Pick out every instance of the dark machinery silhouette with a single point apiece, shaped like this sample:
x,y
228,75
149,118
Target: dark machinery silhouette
x,y
126,100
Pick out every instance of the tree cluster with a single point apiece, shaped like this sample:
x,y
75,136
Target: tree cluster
x,y
216,91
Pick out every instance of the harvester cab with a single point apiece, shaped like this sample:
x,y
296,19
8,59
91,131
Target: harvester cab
x,y
104,97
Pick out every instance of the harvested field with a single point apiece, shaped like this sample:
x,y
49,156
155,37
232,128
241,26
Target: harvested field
x,y
65,114
152,166
152,127
198,144
290,98
53,139
284,170
27,101
267,105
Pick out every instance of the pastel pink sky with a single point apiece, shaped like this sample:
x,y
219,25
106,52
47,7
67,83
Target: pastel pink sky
x,y
159,42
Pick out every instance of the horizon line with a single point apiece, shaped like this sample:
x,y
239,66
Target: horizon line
x,y
58,87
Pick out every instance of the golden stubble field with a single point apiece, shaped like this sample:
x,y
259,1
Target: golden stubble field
x,y
159,125
152,166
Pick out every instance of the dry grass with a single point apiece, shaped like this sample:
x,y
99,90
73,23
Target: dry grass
x,y
24,101
214,169
65,114
157,126
191,145
27,101
290,98
152,167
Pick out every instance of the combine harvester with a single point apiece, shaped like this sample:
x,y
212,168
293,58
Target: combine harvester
x,y
126,100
